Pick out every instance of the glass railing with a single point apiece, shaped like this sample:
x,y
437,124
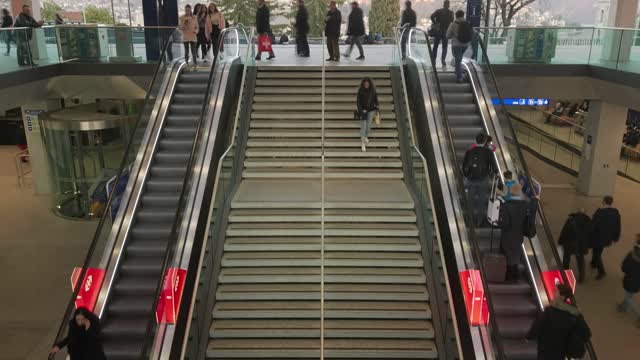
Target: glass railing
x,y
26,48
447,338
203,296
561,138
101,243
613,48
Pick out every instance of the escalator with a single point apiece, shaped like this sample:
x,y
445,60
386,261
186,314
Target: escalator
x,y
449,116
126,314
167,173
514,304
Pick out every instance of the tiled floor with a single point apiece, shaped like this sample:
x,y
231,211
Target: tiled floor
x,y
38,250
614,335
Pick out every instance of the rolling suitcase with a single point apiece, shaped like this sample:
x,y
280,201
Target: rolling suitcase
x,y
495,264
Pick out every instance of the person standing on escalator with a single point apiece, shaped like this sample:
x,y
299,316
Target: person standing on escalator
x,y
84,340
188,25
461,33
560,330
478,167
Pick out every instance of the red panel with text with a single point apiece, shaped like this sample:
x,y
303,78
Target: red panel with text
x,y
88,293
474,298
170,297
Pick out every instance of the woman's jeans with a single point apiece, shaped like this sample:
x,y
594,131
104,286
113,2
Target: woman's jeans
x,y
194,51
366,123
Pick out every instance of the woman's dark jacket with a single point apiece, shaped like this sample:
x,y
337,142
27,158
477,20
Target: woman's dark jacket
x,y
84,344
367,100
513,214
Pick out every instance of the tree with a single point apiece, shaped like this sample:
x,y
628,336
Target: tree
x,y
317,13
49,10
384,17
94,14
506,10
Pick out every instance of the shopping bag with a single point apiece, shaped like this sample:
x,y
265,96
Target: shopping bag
x,y
264,43
377,118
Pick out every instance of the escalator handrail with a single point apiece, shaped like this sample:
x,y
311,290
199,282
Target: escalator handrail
x,y
124,163
461,189
220,161
545,223
443,322
173,235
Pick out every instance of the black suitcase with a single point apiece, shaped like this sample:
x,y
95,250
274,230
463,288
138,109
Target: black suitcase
x,y
495,264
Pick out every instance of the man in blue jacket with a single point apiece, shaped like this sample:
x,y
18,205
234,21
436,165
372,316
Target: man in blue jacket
x,y
605,230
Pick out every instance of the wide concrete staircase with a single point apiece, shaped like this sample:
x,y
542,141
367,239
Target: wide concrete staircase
x,y
270,297
285,136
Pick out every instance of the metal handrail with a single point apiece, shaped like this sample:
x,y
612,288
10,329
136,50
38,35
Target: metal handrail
x,y
443,324
525,169
463,199
223,157
173,237
96,238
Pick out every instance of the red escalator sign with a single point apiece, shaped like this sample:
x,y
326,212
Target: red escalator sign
x,y
474,297
170,297
88,293
553,277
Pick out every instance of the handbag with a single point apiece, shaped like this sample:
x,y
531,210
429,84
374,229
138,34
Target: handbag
x,y
377,118
264,43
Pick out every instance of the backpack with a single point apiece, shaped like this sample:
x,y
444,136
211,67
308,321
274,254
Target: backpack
x,y
577,341
465,32
476,166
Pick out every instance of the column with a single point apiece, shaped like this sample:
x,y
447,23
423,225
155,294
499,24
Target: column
x,y
601,148
618,43
158,13
39,159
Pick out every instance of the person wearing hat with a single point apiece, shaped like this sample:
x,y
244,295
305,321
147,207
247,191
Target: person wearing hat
x,y
631,281
559,324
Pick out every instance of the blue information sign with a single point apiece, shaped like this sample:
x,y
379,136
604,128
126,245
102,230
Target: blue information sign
x,y
522,101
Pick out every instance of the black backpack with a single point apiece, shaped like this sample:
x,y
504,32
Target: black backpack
x,y
477,166
465,32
